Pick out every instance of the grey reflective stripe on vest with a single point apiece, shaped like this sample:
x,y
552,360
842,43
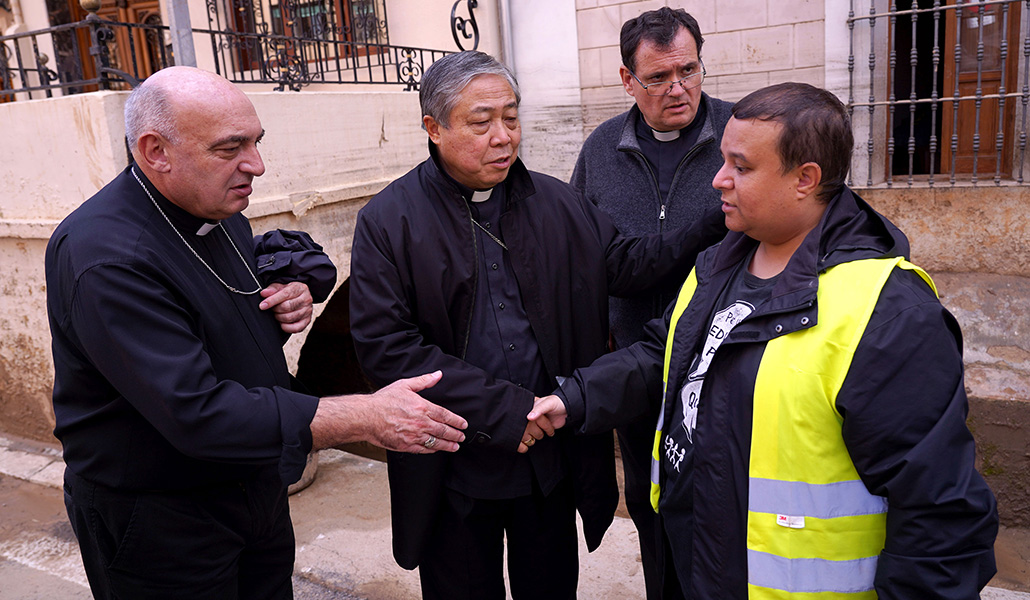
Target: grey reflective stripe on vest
x,y
825,501
656,465
810,575
656,470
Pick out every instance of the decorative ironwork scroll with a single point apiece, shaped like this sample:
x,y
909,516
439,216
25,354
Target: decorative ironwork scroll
x,y
100,36
409,70
285,65
461,24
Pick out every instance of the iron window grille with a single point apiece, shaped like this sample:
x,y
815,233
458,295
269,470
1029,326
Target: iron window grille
x,y
943,93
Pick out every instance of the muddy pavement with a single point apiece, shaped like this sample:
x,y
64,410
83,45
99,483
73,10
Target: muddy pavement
x,y
342,523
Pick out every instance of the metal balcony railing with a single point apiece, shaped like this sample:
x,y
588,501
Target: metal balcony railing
x,y
97,54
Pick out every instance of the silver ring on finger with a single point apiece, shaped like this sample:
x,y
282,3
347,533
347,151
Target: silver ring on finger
x,y
430,442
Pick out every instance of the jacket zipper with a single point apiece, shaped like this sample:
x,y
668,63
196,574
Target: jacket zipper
x,y
657,190
657,310
654,178
475,280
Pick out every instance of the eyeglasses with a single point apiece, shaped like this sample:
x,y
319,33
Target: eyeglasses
x,y
663,88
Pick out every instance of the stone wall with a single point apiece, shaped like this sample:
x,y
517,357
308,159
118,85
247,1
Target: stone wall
x,y
975,241
748,44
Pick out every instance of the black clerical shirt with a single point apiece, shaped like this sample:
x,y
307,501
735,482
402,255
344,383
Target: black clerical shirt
x,y
164,379
665,157
502,343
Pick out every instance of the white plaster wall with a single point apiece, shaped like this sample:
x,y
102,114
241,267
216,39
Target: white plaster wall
x,y
427,24
318,142
546,64
57,152
34,14
201,41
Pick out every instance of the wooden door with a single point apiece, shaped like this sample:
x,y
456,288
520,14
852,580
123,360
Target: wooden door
x,y
134,51
964,27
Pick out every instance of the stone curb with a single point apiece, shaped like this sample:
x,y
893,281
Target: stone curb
x,y
42,468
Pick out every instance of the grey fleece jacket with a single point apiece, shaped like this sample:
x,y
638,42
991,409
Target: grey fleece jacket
x,y
614,175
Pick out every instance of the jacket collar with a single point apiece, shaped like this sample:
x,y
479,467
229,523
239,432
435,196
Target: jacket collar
x,y
628,138
183,220
849,230
517,186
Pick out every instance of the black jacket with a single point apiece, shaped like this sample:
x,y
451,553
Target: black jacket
x,y
903,403
413,281
613,174
163,379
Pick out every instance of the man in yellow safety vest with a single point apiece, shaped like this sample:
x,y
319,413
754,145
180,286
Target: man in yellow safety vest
x,y
812,436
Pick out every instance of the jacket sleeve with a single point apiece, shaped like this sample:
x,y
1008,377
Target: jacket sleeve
x,y
390,346
637,264
620,386
283,256
579,174
904,408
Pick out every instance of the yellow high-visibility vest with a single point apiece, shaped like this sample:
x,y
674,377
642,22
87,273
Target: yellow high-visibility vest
x,y
813,530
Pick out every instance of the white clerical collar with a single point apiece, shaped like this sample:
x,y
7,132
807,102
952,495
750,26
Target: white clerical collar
x,y
482,196
666,136
206,228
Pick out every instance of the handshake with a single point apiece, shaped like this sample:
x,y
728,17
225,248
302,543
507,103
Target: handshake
x,y
548,415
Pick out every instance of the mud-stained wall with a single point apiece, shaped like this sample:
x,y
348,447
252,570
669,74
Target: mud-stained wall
x,y
26,368
994,311
964,229
1003,452
976,244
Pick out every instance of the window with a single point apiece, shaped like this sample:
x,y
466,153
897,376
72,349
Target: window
x,y
938,96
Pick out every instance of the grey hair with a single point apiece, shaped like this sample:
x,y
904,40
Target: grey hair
x,y
444,79
149,109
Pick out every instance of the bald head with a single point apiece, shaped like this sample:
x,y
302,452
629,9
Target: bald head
x,y
194,135
160,101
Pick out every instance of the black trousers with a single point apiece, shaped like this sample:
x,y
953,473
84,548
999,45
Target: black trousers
x,y
636,441
233,541
465,558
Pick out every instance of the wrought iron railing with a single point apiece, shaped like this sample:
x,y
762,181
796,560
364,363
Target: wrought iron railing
x,y
31,72
96,54
292,62
937,97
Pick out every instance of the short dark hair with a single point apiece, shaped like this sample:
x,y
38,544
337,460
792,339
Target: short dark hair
x,y
816,128
658,27
443,81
